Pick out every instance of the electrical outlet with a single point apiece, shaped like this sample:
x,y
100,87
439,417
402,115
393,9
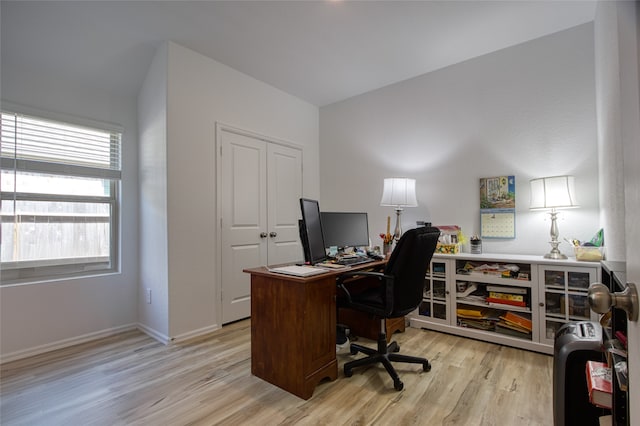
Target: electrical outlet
x,y
148,296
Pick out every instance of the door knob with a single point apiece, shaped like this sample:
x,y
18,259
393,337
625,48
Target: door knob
x,y
601,300
273,234
263,235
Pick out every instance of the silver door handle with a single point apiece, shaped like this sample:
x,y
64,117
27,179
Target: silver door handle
x,y
273,234
601,300
263,235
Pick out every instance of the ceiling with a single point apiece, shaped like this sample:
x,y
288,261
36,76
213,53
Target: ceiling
x,y
319,51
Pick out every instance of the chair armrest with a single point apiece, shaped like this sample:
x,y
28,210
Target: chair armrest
x,y
387,282
351,274
340,281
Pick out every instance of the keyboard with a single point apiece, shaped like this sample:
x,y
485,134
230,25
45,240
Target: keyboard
x,y
350,261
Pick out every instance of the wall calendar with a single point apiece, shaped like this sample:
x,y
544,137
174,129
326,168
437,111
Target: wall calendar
x,y
498,207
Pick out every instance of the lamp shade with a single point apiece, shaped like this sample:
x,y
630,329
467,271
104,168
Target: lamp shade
x,y
554,192
399,192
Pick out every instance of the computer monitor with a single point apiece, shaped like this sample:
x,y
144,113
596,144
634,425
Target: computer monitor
x,y
311,232
345,229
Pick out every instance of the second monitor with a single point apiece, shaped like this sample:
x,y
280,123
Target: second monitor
x,y
345,229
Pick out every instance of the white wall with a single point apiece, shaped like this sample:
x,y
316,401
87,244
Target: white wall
x,y
200,93
610,150
42,316
528,111
154,277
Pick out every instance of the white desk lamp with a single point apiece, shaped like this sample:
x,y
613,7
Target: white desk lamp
x,y
399,193
554,192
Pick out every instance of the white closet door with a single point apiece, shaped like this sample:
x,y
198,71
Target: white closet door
x,y
284,189
244,219
261,184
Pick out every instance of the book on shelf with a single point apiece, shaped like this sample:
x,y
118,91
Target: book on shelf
x,y
504,289
507,296
494,300
480,324
471,312
518,320
514,327
599,383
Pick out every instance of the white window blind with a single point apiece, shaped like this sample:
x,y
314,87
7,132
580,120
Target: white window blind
x,y
59,187
38,145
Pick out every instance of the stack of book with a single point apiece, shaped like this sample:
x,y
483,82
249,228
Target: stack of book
x,y
515,325
511,296
479,318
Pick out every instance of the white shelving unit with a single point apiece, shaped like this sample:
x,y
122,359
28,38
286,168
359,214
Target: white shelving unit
x,y
548,293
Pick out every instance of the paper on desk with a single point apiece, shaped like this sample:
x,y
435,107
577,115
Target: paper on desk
x,y
298,270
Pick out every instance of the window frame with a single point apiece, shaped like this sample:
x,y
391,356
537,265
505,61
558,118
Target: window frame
x,y
16,272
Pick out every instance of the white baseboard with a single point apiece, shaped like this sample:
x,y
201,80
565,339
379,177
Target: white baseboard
x,y
65,343
160,337
195,333
61,344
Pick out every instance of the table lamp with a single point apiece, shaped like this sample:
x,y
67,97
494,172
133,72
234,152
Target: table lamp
x,y
552,193
399,193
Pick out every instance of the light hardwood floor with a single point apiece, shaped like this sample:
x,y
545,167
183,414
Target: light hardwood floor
x,y
132,379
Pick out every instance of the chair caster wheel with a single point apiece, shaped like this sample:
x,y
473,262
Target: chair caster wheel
x,y
398,385
396,348
426,366
353,350
348,373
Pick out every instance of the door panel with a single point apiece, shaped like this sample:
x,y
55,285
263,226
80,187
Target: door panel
x,y
244,209
236,296
284,188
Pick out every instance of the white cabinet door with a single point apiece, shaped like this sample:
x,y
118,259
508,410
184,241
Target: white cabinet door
x,y
436,302
563,297
261,183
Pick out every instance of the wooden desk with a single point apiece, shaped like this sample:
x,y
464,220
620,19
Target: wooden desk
x,y
293,328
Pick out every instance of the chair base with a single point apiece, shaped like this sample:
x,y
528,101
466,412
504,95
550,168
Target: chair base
x,y
384,354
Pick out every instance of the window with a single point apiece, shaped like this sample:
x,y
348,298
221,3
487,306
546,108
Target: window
x,y
59,184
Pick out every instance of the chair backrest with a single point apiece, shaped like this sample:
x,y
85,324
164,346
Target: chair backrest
x,y
408,265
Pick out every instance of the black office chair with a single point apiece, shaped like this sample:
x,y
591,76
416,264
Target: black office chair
x,y
400,292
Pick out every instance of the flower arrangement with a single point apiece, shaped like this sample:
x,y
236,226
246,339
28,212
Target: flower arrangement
x,y
387,238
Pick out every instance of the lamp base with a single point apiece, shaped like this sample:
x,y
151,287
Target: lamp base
x,y
397,233
552,255
555,252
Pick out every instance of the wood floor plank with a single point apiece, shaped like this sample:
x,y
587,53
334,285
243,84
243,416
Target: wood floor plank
x,y
130,379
